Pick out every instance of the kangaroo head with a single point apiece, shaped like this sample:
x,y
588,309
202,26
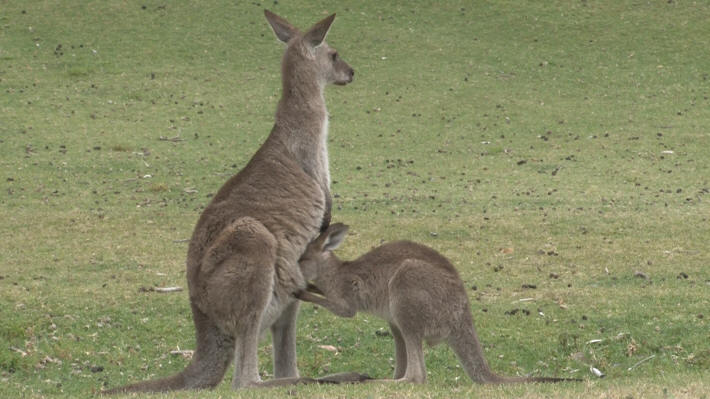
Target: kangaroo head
x,y
307,55
318,257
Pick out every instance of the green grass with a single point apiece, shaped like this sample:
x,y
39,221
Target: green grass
x,y
559,144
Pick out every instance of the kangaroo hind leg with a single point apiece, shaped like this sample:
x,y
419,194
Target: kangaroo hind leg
x,y
240,269
283,333
412,308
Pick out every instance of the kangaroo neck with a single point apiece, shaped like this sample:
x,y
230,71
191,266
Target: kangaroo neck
x,y
302,95
302,104
302,125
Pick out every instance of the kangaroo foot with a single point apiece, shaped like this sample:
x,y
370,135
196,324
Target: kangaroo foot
x,y
343,378
338,378
281,382
402,380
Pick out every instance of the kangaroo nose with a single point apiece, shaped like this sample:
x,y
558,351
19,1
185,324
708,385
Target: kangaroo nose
x,y
352,73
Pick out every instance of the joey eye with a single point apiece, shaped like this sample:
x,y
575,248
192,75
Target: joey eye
x,y
334,56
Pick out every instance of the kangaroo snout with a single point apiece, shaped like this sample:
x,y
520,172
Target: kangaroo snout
x,y
349,74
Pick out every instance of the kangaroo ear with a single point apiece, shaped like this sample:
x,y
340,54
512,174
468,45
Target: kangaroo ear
x,y
283,29
317,33
335,235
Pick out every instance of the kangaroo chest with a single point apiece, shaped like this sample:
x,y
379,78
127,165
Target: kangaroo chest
x,y
323,153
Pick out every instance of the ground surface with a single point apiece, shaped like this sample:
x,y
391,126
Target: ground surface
x,y
557,152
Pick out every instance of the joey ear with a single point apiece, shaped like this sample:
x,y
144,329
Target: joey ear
x,y
283,29
317,33
334,236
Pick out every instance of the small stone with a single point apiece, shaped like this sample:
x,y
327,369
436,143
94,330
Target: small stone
x,y
641,274
382,333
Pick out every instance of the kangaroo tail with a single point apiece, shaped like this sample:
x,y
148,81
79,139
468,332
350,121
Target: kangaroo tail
x,y
213,354
550,379
160,385
468,348
520,380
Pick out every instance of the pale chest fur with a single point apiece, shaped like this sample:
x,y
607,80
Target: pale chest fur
x,y
323,153
308,142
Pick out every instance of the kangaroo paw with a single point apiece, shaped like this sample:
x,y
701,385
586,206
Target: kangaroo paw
x,y
312,288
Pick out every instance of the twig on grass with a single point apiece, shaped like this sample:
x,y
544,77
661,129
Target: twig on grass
x,y
18,350
186,353
173,139
167,289
640,361
161,290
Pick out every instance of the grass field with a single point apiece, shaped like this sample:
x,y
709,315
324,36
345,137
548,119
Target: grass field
x,y
557,152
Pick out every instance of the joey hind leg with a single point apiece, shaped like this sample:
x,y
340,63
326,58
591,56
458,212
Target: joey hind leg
x,y
283,334
416,368
400,352
409,356
412,310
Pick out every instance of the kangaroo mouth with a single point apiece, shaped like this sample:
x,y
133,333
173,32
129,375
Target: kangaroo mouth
x,y
312,288
343,82
347,80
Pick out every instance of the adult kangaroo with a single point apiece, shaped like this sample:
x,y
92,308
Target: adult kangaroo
x,y
242,261
414,288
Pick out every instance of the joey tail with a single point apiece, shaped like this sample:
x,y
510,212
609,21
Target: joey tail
x,y
468,349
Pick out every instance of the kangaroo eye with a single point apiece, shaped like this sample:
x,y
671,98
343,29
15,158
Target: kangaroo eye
x,y
334,56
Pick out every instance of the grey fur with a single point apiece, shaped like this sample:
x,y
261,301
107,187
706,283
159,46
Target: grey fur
x,y
414,288
242,259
